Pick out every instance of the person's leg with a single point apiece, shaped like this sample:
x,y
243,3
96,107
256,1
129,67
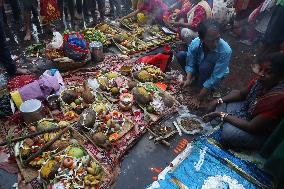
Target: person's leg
x,y
232,136
79,10
15,5
92,8
118,7
71,8
79,5
5,55
60,6
127,6
101,7
274,34
35,13
181,58
85,8
111,7
27,19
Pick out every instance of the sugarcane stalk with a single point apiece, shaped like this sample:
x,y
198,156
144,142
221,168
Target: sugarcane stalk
x,y
32,135
46,146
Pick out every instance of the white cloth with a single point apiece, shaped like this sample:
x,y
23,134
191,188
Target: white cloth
x,y
223,11
187,34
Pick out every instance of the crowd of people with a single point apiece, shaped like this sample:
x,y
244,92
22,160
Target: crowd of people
x,y
251,113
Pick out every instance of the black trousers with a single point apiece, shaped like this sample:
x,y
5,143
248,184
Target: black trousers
x,y
15,5
5,55
274,34
115,4
101,7
70,5
82,6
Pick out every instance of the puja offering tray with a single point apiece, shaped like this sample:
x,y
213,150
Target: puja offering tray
x,y
147,73
113,84
94,35
153,100
73,168
108,29
129,44
102,124
133,26
76,99
47,137
157,36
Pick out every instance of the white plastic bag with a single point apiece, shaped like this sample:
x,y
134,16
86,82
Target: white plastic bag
x,y
57,41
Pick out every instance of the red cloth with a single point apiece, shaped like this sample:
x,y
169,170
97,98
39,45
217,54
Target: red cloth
x,y
160,60
20,81
199,16
49,10
184,10
270,105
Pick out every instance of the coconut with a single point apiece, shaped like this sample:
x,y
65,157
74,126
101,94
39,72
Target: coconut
x,y
87,118
101,140
69,96
141,95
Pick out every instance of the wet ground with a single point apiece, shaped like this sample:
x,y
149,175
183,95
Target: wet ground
x,y
135,170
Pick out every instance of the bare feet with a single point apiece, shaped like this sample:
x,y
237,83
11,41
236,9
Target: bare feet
x,y
28,36
21,71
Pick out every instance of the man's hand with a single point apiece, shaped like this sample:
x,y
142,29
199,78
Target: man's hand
x,y
194,103
186,83
212,106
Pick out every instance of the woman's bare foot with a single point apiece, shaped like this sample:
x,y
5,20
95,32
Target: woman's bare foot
x,y
28,36
21,71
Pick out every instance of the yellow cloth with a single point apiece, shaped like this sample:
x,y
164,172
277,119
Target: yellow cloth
x,y
17,98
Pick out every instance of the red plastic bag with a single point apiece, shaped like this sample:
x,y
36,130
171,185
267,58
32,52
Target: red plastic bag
x,y
159,60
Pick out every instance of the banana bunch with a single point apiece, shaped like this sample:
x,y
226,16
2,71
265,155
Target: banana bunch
x,y
37,162
94,176
49,136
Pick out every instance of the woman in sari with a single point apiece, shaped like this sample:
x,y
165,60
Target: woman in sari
x,y
154,10
250,115
189,18
49,11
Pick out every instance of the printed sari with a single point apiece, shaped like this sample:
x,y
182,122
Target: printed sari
x,y
49,11
269,104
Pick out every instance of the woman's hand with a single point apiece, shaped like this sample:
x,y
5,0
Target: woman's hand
x,y
212,106
212,115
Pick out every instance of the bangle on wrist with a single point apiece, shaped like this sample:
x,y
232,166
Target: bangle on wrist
x,y
223,115
220,101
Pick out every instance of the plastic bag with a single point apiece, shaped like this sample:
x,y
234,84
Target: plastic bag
x,y
56,42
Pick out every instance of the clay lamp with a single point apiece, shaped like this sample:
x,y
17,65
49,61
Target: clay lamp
x,y
125,101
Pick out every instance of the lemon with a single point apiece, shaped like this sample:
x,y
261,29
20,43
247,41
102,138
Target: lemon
x,y
77,101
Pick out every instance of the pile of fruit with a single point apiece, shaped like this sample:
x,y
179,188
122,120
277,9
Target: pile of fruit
x,y
108,30
150,97
72,168
147,73
30,146
91,35
77,98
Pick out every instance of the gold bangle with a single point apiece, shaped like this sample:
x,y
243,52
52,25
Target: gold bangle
x,y
223,115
